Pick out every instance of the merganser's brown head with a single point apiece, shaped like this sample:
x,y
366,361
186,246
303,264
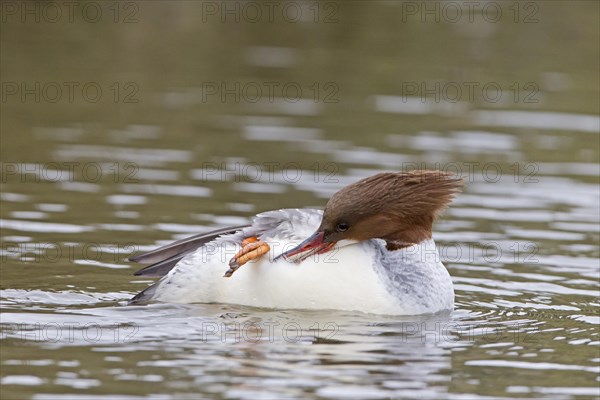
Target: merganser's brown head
x,y
398,207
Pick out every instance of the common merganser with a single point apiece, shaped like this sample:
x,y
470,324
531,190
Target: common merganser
x,y
370,250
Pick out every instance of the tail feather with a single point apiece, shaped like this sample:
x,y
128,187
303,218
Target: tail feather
x,y
165,258
144,297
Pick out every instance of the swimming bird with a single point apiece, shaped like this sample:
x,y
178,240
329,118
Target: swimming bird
x,y
370,250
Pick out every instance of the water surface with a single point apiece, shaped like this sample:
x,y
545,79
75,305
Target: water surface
x,y
187,136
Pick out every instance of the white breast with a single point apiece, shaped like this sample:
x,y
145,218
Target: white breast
x,y
363,277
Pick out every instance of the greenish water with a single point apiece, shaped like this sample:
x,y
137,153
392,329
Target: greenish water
x,y
155,120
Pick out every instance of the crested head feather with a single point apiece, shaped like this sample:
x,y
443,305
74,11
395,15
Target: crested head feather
x,y
395,206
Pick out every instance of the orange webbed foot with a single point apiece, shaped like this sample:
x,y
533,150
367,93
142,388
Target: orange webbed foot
x,y
252,248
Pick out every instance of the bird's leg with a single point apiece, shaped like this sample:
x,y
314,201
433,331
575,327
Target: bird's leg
x,y
252,248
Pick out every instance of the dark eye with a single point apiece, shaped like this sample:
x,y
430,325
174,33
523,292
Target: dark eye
x,y
342,227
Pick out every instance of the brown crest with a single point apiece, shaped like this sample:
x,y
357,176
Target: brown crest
x,y
399,207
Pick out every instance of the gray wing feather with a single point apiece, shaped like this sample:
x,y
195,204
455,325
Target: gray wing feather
x,y
183,245
270,224
166,257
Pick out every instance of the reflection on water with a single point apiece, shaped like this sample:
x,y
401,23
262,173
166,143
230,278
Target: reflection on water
x,y
210,122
